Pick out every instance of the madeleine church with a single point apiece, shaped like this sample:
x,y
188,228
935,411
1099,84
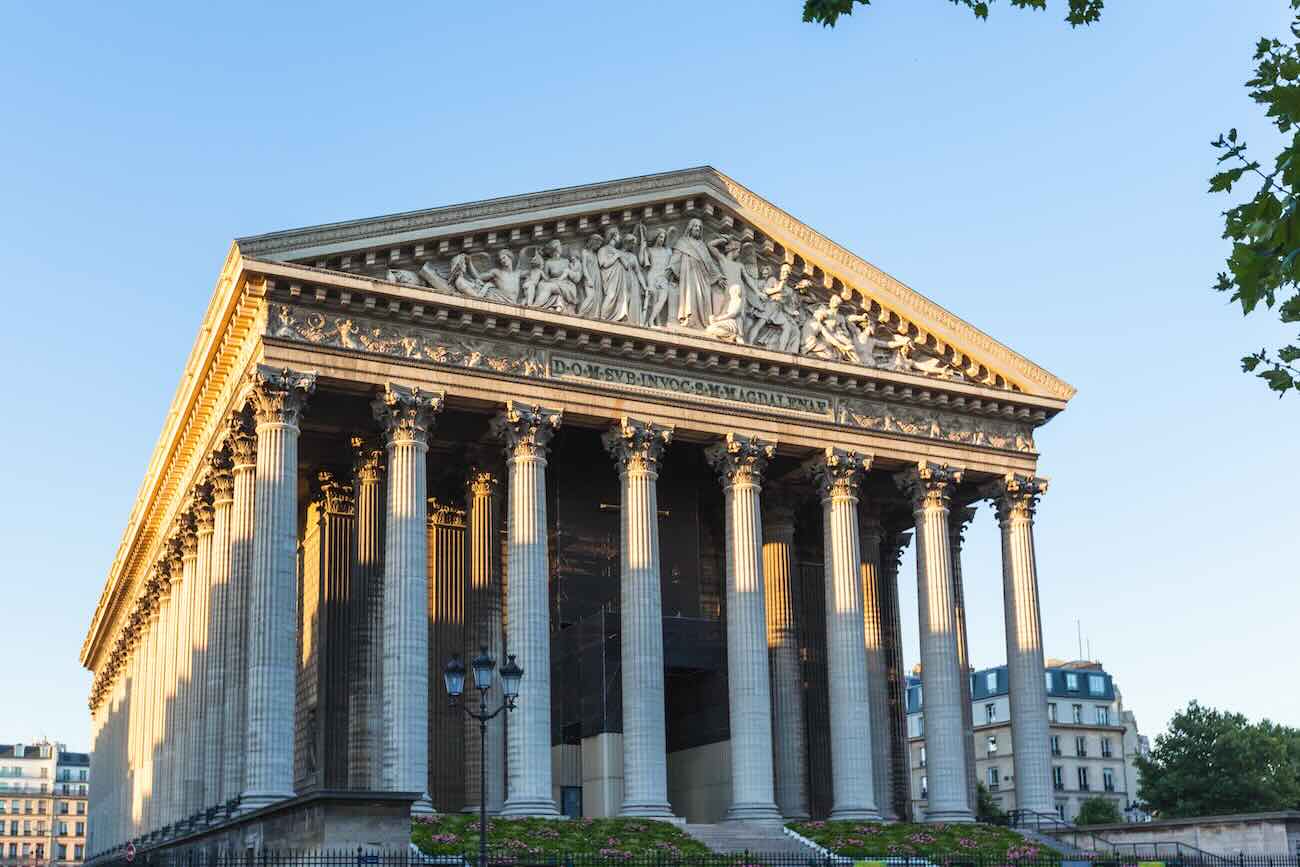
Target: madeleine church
x,y
655,439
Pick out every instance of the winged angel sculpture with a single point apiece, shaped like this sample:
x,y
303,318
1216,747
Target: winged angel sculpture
x,y
666,277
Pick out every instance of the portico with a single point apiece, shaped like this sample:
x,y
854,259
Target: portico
x,y
386,449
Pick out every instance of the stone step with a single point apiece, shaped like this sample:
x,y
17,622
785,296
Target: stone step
x,y
759,837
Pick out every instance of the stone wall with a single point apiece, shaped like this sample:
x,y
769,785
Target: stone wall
x,y
1246,834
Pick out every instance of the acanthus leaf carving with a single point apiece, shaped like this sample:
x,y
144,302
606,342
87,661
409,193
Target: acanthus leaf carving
x,y
740,460
637,446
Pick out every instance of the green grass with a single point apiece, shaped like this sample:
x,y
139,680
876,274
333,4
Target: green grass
x,y
524,838
934,842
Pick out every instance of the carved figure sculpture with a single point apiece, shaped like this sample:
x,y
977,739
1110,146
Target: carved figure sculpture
x,y
558,287
502,283
727,250
532,279
774,326
614,277
636,285
729,325
661,293
592,289
697,275
826,334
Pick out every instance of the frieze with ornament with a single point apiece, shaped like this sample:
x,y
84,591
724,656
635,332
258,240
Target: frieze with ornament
x,y
349,332
936,425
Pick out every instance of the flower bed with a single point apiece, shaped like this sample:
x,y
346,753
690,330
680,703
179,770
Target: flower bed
x,y
615,839
940,843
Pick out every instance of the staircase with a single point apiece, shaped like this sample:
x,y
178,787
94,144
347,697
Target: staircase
x,y
760,837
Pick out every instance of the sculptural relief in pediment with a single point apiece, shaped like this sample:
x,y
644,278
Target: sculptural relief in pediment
x,y
686,276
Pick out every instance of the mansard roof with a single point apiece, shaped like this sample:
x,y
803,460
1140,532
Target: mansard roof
x,y
368,246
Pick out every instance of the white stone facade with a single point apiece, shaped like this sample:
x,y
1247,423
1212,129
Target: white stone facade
x,y
677,308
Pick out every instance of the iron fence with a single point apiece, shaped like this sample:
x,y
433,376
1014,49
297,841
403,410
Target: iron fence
x,y
507,858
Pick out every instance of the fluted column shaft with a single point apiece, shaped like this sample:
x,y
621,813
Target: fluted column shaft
x,y
838,474
198,729
278,398
243,453
789,729
1016,498
740,462
172,746
637,447
527,431
484,628
366,707
957,522
185,746
931,487
891,554
222,481
157,701
407,415
875,628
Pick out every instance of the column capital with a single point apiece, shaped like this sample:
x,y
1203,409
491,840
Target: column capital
x,y
837,472
526,429
1015,496
636,446
929,485
278,395
367,459
220,478
335,496
204,513
481,482
241,442
892,545
187,537
958,520
445,514
406,413
740,459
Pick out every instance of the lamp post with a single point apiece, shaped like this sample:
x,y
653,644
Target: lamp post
x,y
453,676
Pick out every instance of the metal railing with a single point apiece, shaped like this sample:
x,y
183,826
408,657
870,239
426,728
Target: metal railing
x,y
1081,838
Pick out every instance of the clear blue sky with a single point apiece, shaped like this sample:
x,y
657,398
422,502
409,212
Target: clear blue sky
x,y
1047,185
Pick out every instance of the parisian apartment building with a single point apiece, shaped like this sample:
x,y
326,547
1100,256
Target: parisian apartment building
x,y
43,812
1094,739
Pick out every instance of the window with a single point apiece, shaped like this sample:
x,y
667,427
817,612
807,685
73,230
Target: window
x,y
922,755
915,726
1108,779
1076,714
1081,746
13,850
1056,745
79,852
1106,750
925,788
1060,810
27,849
1051,711
992,745
990,712
40,829
1096,684
45,773
27,807
62,851
1058,778
81,790
81,829
1047,677
1103,715
81,775
63,829
40,807
40,851
1083,780
993,779
63,808
1072,682
991,681
13,828
27,827
81,808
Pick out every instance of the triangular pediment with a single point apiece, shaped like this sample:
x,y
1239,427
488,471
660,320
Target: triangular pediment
x,y
661,251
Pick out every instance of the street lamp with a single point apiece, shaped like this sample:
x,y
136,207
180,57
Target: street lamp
x,y
453,677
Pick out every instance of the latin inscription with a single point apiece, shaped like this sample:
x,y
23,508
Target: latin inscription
x,y
692,386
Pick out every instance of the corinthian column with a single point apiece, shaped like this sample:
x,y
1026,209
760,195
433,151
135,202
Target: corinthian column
x,y
278,398
365,710
243,453
740,462
198,651
636,447
174,746
930,487
874,627
1016,498
789,733
483,628
527,431
406,415
898,803
957,523
838,473
222,482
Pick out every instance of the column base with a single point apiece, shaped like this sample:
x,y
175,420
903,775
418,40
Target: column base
x,y
648,810
753,811
250,801
935,816
423,806
869,814
532,808
797,816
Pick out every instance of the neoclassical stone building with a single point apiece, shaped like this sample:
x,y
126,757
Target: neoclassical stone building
x,y
654,437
